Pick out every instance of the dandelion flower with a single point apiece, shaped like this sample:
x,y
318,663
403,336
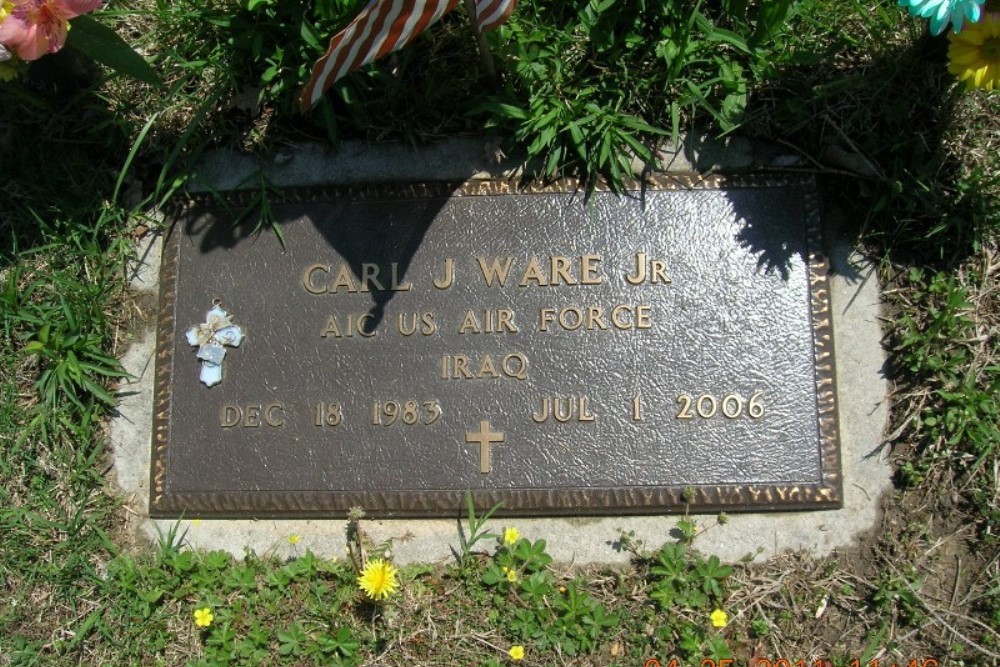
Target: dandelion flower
x,y
511,536
203,617
516,652
974,54
378,579
942,12
720,619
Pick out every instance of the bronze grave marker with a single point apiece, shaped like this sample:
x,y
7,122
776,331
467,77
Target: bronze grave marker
x,y
559,354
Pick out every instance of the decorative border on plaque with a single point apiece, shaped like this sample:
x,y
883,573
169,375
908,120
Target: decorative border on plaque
x,y
164,368
825,369
827,494
479,188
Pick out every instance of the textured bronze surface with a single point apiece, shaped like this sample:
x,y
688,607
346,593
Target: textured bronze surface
x,y
667,347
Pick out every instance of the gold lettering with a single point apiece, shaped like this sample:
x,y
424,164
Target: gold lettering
x,y
369,274
589,269
462,366
407,330
363,327
494,271
543,413
620,323
595,317
685,411
449,275
269,414
572,318
470,324
545,317
533,273
331,328
408,323
328,414
563,410
307,278
252,416
229,416
642,317
518,371
658,269
565,323
504,320
557,411
395,285
429,326
344,279
494,321
640,270
487,368
560,266
352,326
457,367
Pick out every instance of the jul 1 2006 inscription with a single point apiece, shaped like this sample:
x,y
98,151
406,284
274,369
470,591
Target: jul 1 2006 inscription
x,y
402,345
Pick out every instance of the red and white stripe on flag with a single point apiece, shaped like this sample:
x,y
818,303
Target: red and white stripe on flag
x,y
383,27
491,13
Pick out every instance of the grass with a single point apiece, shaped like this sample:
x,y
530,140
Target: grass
x,y
855,89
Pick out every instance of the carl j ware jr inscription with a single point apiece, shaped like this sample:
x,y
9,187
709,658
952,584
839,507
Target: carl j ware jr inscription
x,y
637,353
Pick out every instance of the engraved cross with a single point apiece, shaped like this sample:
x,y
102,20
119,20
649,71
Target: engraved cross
x,y
485,438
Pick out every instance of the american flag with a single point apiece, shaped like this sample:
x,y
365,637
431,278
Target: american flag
x,y
383,27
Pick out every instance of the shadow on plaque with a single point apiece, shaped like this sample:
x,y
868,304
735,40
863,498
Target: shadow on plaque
x,y
361,230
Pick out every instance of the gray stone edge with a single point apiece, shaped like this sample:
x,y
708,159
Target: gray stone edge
x,y
353,162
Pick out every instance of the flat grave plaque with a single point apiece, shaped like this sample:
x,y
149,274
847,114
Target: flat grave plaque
x,y
665,348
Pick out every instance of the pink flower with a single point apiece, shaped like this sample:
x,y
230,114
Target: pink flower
x,y
36,27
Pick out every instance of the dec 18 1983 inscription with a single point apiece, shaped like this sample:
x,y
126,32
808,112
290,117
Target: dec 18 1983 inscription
x,y
561,354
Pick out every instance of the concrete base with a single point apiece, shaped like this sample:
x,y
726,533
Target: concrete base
x,y
862,400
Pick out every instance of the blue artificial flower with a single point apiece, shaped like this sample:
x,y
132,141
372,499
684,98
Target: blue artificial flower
x,y
941,12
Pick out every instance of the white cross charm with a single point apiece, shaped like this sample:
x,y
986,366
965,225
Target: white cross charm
x,y
211,337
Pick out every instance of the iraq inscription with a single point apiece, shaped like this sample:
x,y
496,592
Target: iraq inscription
x,y
557,353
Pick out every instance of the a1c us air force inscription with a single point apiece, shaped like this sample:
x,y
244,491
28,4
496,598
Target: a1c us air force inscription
x,y
561,354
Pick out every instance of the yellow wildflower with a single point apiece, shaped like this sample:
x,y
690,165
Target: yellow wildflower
x,y
511,574
203,617
294,539
195,522
720,619
974,53
511,536
516,652
378,579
